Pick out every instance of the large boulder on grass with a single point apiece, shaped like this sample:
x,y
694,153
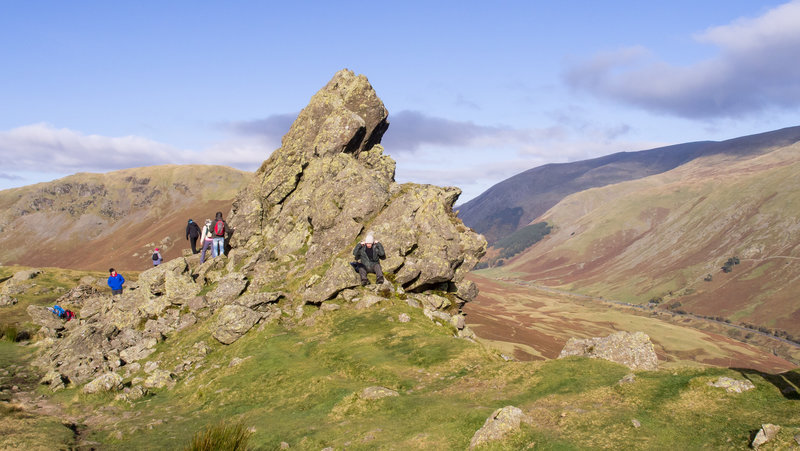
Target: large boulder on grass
x,y
233,322
634,350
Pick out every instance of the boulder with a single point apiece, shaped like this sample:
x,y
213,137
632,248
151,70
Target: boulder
x,y
368,301
377,393
339,277
76,295
767,433
500,424
45,318
732,385
257,300
159,379
634,350
233,322
229,288
104,383
7,300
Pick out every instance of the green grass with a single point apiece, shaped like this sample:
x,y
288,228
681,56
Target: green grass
x,y
301,385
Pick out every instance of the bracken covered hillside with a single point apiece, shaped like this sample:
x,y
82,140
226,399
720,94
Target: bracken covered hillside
x,y
667,238
94,221
518,200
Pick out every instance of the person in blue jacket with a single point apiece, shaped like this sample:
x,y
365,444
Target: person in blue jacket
x,y
115,281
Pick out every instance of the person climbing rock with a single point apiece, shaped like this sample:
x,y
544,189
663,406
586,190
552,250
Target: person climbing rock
x,y
192,233
219,230
157,258
368,254
208,239
115,281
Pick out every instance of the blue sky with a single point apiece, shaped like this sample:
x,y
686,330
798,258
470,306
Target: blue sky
x,y
476,91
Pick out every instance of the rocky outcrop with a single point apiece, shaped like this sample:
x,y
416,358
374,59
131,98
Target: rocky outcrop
x,y
633,350
500,424
294,228
767,433
732,385
314,198
233,322
17,284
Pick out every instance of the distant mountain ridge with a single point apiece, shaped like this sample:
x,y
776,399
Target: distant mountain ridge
x,y
665,238
518,200
94,221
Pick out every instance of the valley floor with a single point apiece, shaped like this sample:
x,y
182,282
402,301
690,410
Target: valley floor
x,y
531,323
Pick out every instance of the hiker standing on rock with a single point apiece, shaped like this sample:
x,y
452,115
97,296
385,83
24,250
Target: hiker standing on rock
x,y
368,253
208,240
219,230
192,233
157,258
115,282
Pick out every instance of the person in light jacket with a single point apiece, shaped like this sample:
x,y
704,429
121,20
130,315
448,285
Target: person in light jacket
x,y
208,239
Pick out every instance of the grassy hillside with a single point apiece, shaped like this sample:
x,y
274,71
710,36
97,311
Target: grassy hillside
x,y
301,383
662,236
519,200
95,221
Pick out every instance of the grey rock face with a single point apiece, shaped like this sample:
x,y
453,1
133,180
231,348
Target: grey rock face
x,y
498,426
767,433
633,350
233,322
104,383
311,201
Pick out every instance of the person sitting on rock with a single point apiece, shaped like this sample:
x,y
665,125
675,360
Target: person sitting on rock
x,y
368,254
115,281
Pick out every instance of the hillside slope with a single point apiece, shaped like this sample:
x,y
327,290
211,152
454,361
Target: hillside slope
x,y
662,236
517,201
94,221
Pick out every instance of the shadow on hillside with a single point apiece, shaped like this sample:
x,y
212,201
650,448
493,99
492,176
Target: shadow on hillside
x,y
788,383
3,279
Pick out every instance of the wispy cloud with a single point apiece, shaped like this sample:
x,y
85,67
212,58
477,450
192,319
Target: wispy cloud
x,y
756,69
271,128
44,148
10,177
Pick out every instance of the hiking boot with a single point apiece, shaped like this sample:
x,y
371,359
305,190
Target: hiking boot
x,y
364,283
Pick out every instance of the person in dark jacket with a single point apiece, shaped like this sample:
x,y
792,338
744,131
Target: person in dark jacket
x,y
192,233
115,282
368,253
219,229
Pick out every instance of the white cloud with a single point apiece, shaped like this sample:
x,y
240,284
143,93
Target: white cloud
x,y
44,148
756,69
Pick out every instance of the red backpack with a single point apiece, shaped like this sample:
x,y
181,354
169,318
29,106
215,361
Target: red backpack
x,y
219,228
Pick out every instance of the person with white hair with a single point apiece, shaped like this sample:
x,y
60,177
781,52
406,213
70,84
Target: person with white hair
x,y
368,254
208,239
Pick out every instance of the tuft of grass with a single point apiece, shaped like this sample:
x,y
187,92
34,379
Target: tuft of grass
x,y
223,436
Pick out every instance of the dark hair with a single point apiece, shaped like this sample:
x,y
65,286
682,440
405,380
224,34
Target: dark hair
x,y
110,270
219,215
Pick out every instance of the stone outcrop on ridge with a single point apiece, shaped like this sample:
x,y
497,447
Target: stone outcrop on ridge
x,y
313,200
294,228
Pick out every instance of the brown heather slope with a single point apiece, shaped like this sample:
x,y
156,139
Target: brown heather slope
x,y
95,221
661,235
529,323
